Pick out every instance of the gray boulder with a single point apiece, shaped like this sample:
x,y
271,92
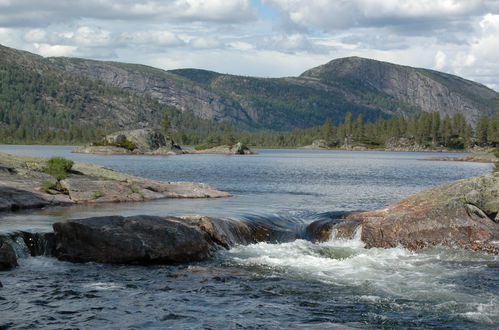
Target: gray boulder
x,y
156,240
146,140
130,240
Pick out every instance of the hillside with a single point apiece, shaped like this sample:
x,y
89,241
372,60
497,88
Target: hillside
x,y
82,98
41,102
361,86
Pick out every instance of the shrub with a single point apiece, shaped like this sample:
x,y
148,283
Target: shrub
x,y
127,144
58,167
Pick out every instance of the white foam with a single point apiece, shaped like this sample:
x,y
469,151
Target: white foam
x,y
378,274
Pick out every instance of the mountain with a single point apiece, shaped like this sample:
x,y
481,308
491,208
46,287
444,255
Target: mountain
x,y
81,92
354,84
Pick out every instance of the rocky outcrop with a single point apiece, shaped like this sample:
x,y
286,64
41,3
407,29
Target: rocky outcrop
x,y
153,240
145,141
479,157
22,180
462,214
235,149
317,145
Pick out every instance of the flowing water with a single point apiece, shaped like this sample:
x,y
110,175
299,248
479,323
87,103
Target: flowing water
x,y
299,284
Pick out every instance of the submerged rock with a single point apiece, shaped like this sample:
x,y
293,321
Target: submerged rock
x,y
461,213
8,258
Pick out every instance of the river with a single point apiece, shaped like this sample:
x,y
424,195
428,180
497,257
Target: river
x,y
336,284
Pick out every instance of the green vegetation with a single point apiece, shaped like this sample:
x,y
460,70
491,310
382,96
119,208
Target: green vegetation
x,y
98,194
121,142
134,189
426,130
53,188
48,186
59,167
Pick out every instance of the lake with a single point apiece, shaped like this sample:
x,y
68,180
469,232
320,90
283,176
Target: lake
x,y
336,284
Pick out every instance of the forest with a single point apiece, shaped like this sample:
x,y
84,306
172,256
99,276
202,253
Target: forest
x,y
54,108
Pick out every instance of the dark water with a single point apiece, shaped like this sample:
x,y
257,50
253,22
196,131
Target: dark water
x,y
336,284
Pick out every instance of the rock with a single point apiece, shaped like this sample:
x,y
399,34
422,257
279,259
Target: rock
x,y
323,230
102,150
156,240
22,179
146,140
14,199
236,149
132,240
8,258
317,144
479,157
457,214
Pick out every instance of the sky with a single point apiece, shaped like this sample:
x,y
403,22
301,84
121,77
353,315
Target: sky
x,y
264,38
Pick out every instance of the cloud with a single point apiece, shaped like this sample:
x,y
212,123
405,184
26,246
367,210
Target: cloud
x,y
337,14
42,13
205,43
154,38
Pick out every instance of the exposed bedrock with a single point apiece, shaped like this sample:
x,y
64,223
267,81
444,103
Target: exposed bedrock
x,y
462,214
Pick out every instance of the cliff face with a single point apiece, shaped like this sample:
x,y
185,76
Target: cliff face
x,y
158,84
431,91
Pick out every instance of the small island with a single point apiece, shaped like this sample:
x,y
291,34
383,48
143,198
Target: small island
x,y
147,141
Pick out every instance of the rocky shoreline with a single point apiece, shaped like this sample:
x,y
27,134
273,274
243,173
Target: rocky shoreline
x,y
22,180
479,157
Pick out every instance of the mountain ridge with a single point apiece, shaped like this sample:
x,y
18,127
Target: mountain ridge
x,y
352,84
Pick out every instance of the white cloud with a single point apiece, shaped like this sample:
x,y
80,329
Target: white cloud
x,y
54,50
440,60
153,38
337,14
205,43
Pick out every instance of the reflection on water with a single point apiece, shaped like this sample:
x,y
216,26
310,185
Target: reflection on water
x,y
298,284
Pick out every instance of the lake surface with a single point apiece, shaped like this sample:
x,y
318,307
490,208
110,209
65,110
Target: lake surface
x,y
336,284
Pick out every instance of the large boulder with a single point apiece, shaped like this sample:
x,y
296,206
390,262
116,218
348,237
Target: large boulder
x,y
156,240
130,240
146,141
461,213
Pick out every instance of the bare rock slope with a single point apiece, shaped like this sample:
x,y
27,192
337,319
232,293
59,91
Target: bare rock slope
x,y
22,178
